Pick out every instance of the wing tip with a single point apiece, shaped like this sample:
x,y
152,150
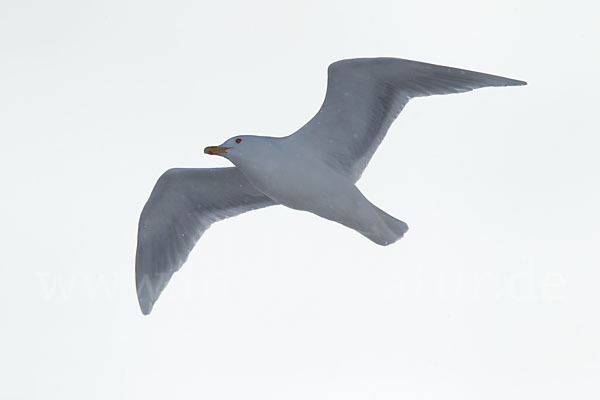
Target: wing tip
x,y
515,82
146,309
358,61
145,303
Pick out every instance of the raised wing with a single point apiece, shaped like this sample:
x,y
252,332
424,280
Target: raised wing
x,y
183,204
365,95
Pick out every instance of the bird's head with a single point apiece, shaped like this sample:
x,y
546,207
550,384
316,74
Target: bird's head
x,y
243,146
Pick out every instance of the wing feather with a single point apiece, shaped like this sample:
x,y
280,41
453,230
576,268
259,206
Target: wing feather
x,y
365,95
183,204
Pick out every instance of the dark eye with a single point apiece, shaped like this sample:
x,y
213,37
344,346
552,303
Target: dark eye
x,y
238,140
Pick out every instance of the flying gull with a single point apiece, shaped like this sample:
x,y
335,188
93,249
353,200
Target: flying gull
x,y
314,169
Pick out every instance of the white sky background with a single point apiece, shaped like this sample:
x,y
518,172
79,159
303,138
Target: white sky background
x,y
493,293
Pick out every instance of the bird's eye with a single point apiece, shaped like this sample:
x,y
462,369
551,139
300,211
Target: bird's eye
x,y
238,140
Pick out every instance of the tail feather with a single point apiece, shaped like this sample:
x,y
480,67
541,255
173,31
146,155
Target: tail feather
x,y
392,230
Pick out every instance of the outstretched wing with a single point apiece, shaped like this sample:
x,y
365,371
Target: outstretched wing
x,y
365,95
183,204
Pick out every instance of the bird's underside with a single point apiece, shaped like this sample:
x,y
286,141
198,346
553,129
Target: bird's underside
x,y
363,98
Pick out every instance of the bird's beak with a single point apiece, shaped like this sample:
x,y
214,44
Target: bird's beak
x,y
216,150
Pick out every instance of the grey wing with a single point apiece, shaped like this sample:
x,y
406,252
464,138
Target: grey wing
x,y
365,95
183,204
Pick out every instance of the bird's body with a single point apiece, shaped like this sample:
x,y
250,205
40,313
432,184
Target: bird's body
x,y
301,180
314,169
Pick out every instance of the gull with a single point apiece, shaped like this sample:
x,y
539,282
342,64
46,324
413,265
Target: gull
x,y
314,169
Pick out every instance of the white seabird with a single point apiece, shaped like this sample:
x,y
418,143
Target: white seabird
x,y
314,169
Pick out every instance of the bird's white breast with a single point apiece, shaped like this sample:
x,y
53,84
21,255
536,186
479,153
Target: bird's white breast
x,y
292,176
